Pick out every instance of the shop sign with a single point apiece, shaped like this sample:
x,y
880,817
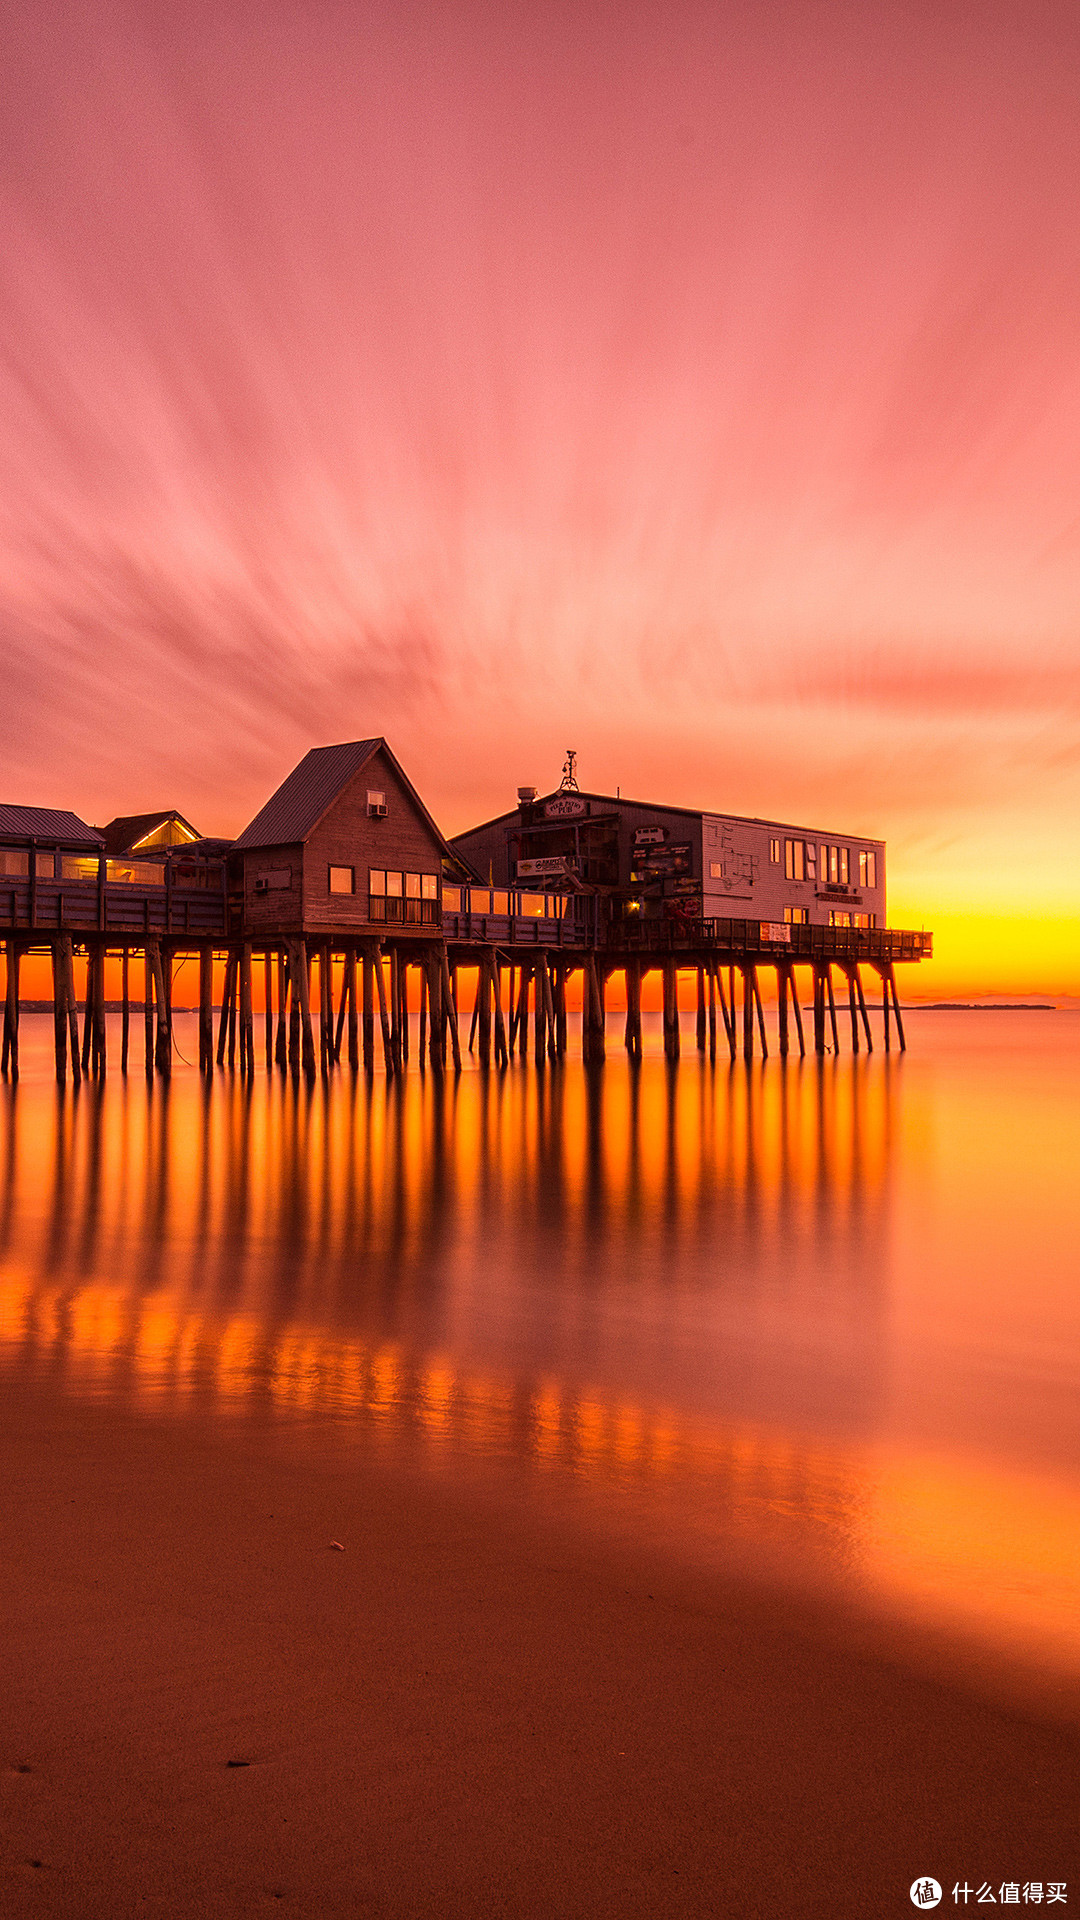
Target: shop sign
x,y
776,931
554,863
565,806
649,837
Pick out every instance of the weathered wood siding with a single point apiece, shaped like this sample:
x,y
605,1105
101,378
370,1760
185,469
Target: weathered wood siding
x,y
279,910
348,837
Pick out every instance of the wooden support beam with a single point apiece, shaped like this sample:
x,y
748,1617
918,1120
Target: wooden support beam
x,y
88,1014
782,984
549,1010
560,1007
711,971
70,1004
885,1005
700,1030
592,1014
148,1010
896,1008
163,1040
671,1008
864,1015
727,1008
450,1004
307,1042
9,1057
501,1053
59,1014
247,1019
125,1008
797,1010
226,999
395,1010
206,1008
483,1003
832,1007
760,1013
403,976
632,1031
849,974
281,1037
475,1012
99,1010
819,1008
539,1013
268,1008
747,1011
421,1044
384,1015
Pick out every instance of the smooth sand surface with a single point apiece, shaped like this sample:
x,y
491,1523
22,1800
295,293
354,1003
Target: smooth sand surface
x,y
468,1712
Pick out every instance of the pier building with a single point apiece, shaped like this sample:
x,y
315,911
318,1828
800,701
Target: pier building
x,y
344,881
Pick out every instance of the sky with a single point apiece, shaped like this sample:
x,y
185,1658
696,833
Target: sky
x,y
693,385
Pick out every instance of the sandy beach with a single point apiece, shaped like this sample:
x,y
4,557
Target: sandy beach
x,y
463,1713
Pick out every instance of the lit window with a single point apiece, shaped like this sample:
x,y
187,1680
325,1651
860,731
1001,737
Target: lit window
x,y
794,862
716,871
412,886
838,919
868,868
531,905
864,919
342,880
429,886
774,851
393,886
452,899
376,882
844,869
811,860
797,916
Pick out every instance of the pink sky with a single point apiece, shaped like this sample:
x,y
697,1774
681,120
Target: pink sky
x,y
695,385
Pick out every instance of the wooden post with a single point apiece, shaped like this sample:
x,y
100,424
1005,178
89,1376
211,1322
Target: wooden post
x,y
671,1008
549,1010
99,1010
450,1003
591,1000
163,1042
70,1005
343,1003
206,1008
349,989
852,1008
226,996
59,1013
712,1010
268,1008
783,981
148,1009
307,1043
819,1008
281,1038
501,1053
293,956
896,1008
560,1007
483,1002
632,1034
760,1012
395,1009
885,1005
796,1008
247,1017
421,1046
700,1009
727,1007
88,1013
9,1060
384,1016
865,1017
832,1007
747,1012
125,1010
403,975
475,1011
539,1016
433,976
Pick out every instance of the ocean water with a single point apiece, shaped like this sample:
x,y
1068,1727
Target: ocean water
x,y
818,1319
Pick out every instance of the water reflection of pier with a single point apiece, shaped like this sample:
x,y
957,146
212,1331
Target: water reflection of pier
x,y
707,1232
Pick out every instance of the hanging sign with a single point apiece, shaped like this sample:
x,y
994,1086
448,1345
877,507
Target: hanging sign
x,y
649,836
777,931
536,869
565,806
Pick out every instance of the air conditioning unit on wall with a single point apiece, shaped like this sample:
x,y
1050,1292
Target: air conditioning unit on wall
x,y
376,806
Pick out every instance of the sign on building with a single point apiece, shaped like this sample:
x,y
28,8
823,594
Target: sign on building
x,y
565,806
554,863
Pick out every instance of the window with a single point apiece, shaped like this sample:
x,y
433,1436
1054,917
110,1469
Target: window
x,y
844,866
141,873
838,919
393,886
412,886
867,868
14,865
531,905
376,883
774,851
716,871
74,868
864,919
500,902
451,899
429,886
45,865
797,916
794,860
342,880
376,801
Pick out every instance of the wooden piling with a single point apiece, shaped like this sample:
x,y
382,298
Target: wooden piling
x,y
125,1009
501,1053
247,1018
163,1039
148,1010
9,1058
863,1013
560,1007
885,1006
226,996
307,1043
450,1004
700,1030
849,973
71,1009
671,1009
896,1008
549,1010
760,1012
59,1013
727,1008
747,1012
483,1007
832,1007
819,1008
268,1008
421,1043
711,971
782,983
632,1031
206,1009
281,1037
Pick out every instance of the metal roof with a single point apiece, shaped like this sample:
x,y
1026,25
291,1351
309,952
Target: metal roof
x,y
616,802
47,823
125,832
296,808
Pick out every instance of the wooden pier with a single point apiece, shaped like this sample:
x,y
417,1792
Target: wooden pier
x,y
329,998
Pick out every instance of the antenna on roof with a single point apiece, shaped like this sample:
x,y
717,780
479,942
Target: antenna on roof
x,y
569,784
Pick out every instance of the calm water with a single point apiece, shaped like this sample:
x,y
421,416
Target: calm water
x,y
821,1318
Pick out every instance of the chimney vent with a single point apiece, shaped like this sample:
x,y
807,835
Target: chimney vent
x,y
525,794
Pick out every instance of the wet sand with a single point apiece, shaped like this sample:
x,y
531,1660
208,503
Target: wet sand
x,y
467,1712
